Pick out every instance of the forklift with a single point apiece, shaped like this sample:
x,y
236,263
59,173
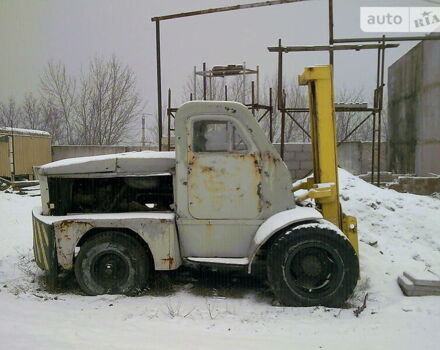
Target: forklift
x,y
223,198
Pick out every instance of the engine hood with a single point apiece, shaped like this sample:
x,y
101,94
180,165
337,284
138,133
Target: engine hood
x,y
145,162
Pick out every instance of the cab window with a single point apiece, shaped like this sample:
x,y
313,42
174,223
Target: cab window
x,y
217,136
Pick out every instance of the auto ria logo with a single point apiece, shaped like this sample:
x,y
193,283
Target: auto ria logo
x,y
400,19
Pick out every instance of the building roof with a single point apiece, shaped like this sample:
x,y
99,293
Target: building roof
x,y
23,132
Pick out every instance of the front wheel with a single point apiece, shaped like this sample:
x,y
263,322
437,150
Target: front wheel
x,y
112,263
312,266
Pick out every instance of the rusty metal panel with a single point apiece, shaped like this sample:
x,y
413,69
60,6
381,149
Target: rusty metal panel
x,y
158,230
217,238
224,186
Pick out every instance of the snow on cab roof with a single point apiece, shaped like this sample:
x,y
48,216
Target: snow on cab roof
x,y
24,132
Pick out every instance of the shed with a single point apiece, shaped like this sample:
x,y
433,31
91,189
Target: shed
x,y
21,150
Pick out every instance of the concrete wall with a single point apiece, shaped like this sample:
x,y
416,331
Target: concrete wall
x,y
414,110
73,151
353,156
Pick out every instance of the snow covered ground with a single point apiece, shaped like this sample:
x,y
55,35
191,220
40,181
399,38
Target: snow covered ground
x,y
188,311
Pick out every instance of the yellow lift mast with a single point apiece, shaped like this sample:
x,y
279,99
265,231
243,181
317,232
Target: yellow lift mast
x,y
323,187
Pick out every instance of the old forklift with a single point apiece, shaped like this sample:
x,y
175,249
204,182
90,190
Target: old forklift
x,y
224,197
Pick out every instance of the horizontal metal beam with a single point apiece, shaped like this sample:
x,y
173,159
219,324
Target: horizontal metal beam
x,y
356,47
224,9
341,108
387,39
219,73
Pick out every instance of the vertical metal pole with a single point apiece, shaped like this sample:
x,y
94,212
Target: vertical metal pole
x,y
280,76
253,98
159,86
373,149
376,106
270,116
143,130
283,125
244,83
280,96
226,92
330,30
258,85
204,81
191,96
169,120
379,117
195,83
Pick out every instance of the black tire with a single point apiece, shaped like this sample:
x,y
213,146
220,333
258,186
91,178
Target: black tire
x,y
312,266
112,263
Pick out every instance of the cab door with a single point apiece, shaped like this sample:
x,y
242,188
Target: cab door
x,y
224,177
223,183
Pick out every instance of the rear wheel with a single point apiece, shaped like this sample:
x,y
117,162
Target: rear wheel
x,y
112,263
312,266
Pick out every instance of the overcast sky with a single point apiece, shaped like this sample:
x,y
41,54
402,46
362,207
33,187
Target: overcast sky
x,y
35,31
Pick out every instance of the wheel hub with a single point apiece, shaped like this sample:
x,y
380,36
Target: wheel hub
x,y
311,265
310,269
110,270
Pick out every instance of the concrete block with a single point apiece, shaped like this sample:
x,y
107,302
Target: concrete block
x,y
306,164
423,278
303,155
410,287
292,164
301,173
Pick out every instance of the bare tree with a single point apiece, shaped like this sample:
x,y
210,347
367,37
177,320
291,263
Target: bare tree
x,y
107,102
31,112
52,123
58,94
10,114
347,121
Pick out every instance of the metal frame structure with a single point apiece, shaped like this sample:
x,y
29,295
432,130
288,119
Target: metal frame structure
x,y
221,72
190,14
380,43
374,111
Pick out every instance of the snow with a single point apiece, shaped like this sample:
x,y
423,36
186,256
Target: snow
x,y
321,223
145,162
242,316
129,155
9,130
95,217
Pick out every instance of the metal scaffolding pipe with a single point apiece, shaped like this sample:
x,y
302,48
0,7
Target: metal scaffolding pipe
x,y
223,9
387,39
287,49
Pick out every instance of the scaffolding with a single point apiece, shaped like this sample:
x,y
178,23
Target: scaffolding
x,y
260,111
381,44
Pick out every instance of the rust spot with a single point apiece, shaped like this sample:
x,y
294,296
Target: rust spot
x,y
207,169
170,260
66,224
